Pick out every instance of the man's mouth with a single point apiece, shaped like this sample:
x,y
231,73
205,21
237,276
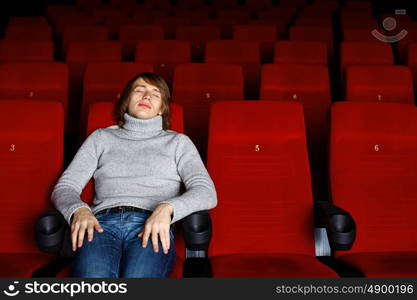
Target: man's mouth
x,y
144,105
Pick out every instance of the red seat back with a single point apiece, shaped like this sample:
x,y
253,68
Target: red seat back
x,y
373,169
258,161
32,143
382,83
244,53
26,51
163,61
309,85
35,81
196,86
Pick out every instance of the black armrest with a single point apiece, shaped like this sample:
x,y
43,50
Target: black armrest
x,y
197,230
52,233
197,235
339,224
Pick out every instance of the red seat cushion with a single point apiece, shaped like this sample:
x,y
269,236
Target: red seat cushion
x,y
269,265
384,264
22,265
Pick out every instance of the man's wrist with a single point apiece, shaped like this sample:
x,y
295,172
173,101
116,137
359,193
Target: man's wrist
x,y
169,208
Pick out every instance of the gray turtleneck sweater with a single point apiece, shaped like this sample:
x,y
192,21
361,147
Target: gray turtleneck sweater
x,y
140,165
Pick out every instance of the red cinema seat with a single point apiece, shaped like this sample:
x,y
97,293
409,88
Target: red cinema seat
x,y
325,22
35,81
373,169
347,16
266,35
292,4
198,36
196,86
143,15
412,61
26,51
120,4
101,115
163,61
320,10
379,83
78,56
112,20
62,21
359,5
258,155
130,35
225,4
357,20
171,24
255,6
58,10
105,82
279,24
365,53
237,16
301,52
227,19
158,4
309,85
404,40
190,4
313,33
28,32
34,20
279,14
359,35
88,6
243,53
197,17
31,161
83,34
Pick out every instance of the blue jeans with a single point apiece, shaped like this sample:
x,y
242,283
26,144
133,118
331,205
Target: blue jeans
x,y
118,252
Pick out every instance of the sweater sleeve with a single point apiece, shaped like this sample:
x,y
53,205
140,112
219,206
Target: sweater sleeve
x,y
66,195
200,191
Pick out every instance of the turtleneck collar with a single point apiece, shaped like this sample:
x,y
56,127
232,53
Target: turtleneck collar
x,y
142,127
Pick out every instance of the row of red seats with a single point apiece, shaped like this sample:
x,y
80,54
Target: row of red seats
x,y
90,5
220,51
196,86
72,28
209,82
18,30
262,225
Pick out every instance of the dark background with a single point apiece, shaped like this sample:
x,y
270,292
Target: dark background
x,y
38,7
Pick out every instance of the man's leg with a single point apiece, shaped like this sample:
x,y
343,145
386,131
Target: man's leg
x,y
139,262
100,258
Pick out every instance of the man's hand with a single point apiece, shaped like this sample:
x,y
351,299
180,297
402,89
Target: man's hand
x,y
158,223
83,220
